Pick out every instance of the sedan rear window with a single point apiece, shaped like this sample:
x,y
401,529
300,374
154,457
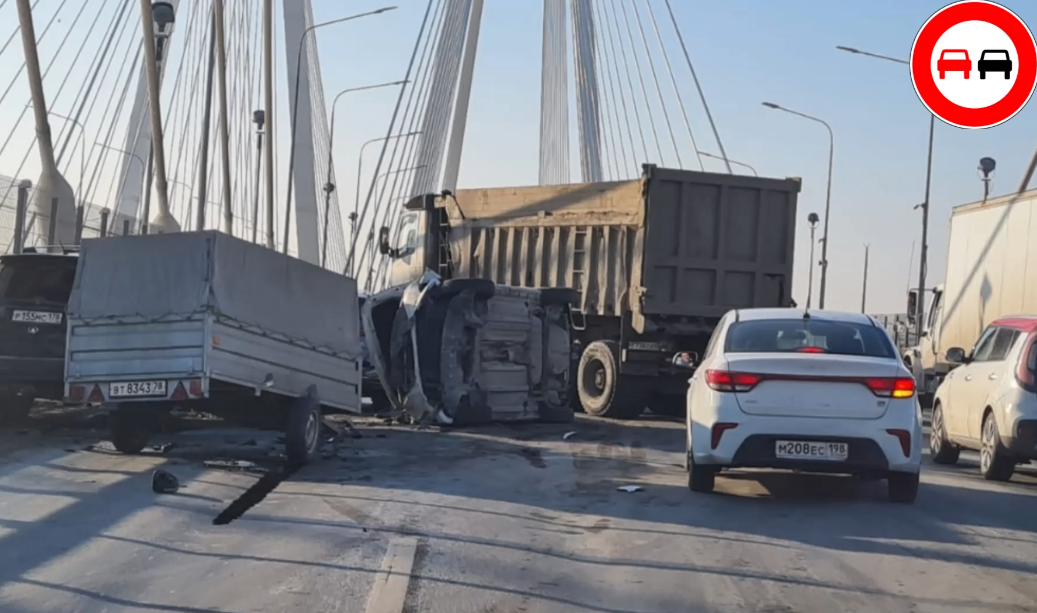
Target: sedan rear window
x,y
808,335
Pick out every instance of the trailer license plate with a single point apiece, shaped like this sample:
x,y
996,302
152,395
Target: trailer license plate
x,y
810,450
36,317
136,389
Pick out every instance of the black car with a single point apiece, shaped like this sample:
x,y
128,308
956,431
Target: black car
x,y
34,292
994,60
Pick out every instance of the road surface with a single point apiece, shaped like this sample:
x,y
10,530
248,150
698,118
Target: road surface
x,y
502,520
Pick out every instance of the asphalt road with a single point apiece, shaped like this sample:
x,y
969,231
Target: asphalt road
x,y
503,520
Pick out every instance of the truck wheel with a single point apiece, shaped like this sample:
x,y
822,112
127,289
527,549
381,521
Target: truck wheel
x,y
603,391
15,409
128,430
482,288
302,434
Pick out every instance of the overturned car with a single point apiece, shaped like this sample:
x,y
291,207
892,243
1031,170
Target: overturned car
x,y
469,351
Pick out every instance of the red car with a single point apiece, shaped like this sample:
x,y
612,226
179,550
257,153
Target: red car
x,y
954,60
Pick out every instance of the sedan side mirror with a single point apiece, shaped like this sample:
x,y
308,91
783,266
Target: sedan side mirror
x,y
956,355
383,240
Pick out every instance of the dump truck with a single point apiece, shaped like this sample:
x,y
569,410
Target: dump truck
x,y
990,264
207,322
655,262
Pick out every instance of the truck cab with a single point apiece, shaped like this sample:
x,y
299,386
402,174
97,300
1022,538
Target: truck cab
x,y
926,359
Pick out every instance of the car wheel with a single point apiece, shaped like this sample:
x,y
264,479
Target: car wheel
x,y
701,479
941,450
994,465
903,487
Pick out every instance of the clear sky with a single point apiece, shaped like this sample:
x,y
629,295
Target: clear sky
x,y
746,51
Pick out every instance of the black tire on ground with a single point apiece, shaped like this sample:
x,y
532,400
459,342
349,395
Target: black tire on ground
x,y
669,405
482,288
15,409
559,295
701,479
302,432
994,463
941,450
902,487
128,429
603,391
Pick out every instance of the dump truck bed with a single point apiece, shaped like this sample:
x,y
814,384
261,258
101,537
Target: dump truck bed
x,y
673,243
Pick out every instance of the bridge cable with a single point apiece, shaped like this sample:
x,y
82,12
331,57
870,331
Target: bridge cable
x,y
392,125
611,103
640,78
698,86
630,83
673,82
658,87
17,29
39,39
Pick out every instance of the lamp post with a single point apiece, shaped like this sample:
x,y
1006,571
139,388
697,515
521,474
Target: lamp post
x,y
717,157
329,186
360,166
828,193
924,252
258,118
812,221
864,288
295,109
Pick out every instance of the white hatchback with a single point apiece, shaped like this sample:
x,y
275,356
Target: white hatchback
x,y
812,391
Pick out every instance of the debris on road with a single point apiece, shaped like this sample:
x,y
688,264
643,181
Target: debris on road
x,y
234,465
568,435
630,489
164,482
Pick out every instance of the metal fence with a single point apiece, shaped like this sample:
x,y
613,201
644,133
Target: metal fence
x,y
117,224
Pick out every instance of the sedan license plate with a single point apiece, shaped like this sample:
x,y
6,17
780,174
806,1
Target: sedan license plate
x,y
36,317
811,450
136,389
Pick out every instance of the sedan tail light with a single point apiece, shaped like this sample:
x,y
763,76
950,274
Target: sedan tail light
x,y
891,387
1026,368
727,381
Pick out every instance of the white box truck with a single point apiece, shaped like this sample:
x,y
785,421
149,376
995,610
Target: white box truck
x,y
991,272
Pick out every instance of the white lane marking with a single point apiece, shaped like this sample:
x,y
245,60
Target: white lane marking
x,y
393,579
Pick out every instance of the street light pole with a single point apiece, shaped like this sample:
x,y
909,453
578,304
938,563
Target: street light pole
x,y
295,110
812,220
729,161
828,194
864,288
329,187
360,166
924,251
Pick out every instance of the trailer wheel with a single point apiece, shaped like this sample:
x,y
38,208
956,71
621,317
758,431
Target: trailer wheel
x,y
603,391
129,430
302,434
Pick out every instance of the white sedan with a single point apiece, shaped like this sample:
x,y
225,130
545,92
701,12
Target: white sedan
x,y
812,391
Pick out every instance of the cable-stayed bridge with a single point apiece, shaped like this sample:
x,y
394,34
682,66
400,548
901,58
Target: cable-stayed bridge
x,y
242,106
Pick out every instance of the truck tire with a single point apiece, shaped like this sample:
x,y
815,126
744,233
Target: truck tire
x,y
603,391
302,432
128,429
482,288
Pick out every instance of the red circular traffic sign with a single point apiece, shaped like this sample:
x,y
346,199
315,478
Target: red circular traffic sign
x,y
925,45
